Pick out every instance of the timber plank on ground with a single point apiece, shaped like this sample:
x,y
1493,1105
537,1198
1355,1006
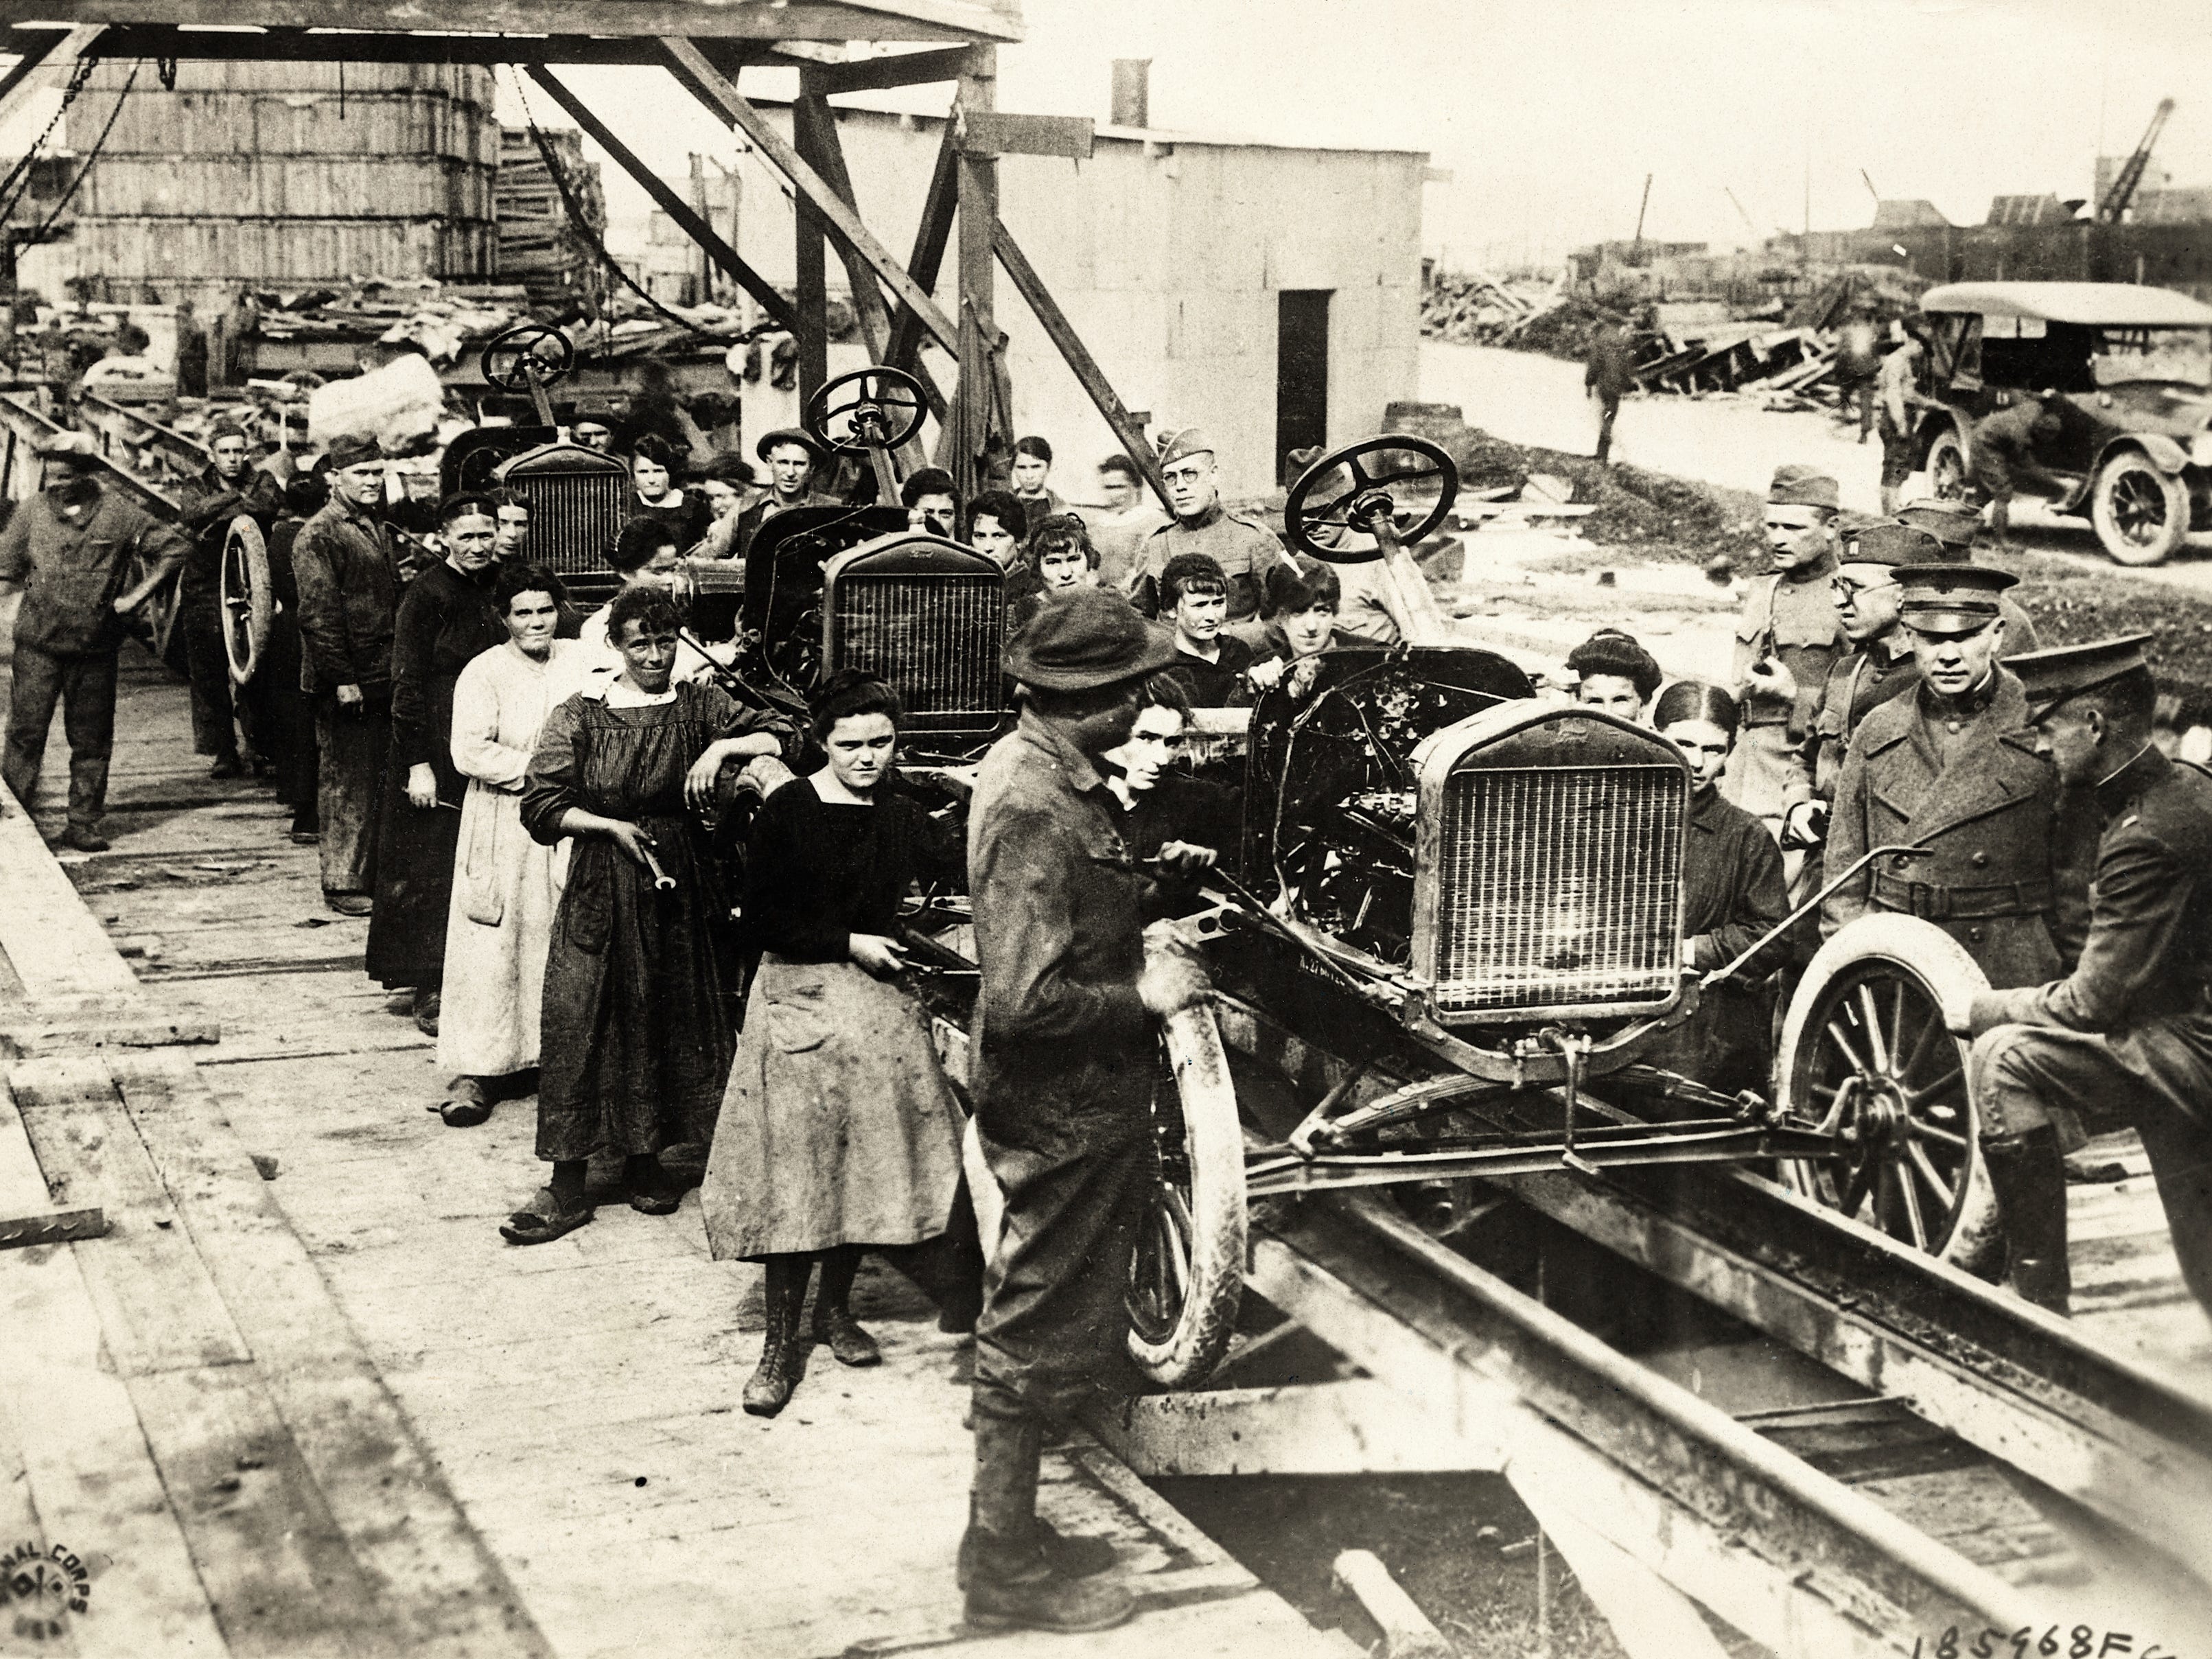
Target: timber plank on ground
x,y
53,945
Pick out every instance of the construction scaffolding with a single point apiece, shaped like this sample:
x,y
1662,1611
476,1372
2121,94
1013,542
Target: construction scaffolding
x,y
839,47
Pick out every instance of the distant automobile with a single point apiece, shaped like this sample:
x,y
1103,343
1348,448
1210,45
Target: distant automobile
x,y
2131,368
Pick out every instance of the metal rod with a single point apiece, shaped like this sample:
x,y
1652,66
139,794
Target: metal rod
x,y
1808,908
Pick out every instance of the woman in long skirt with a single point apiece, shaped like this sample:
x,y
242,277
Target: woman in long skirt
x,y
637,1016
838,1132
505,884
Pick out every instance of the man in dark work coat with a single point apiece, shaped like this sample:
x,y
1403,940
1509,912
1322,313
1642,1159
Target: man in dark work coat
x,y
2128,1034
231,485
1952,767
1064,1047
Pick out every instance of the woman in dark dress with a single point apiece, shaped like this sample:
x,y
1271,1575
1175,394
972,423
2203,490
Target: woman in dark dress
x,y
656,495
839,1133
447,619
1733,893
635,1038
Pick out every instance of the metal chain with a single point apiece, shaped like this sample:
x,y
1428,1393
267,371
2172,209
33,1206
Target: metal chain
x,y
12,187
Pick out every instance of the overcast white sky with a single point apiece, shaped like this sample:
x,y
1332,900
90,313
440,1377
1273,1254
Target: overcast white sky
x,y
1550,114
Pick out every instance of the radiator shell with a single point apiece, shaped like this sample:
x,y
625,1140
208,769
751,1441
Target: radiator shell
x,y
1548,878
580,499
930,616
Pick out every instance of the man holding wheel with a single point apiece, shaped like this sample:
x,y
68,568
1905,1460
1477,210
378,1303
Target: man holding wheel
x,y
1064,1047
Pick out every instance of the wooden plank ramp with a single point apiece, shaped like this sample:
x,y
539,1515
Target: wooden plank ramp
x,y
304,1400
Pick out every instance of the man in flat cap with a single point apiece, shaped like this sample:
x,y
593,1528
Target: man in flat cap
x,y
1786,639
790,455
86,558
230,486
348,568
1953,768
1065,1053
1240,543
2128,1034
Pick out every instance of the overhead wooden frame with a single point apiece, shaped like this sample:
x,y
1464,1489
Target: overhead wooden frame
x,y
954,21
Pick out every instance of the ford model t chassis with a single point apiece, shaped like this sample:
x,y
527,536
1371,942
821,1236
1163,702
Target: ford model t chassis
x,y
1452,928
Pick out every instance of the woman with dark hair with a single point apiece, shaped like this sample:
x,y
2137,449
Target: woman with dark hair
x,y
839,1133
1732,893
635,1023
653,467
1192,823
726,486
446,618
505,884
1615,673
1060,559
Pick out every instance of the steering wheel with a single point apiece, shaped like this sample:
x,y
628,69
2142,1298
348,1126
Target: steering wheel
x,y
882,410
525,356
1320,518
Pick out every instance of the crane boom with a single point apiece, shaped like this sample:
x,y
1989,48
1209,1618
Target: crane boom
x,y
2123,187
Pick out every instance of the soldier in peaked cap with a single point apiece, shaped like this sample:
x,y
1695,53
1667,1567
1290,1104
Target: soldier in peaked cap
x,y
2128,1034
1952,768
1063,1045
1258,569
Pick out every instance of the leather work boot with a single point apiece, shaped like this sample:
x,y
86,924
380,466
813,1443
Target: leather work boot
x,y
1009,1578
781,1352
1070,1557
2028,1174
842,1333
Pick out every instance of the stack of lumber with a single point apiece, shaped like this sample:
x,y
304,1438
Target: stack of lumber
x,y
1730,356
537,246
1475,306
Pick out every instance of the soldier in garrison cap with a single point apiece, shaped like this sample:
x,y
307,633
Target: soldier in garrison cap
x,y
1952,767
1258,569
1785,640
2128,1034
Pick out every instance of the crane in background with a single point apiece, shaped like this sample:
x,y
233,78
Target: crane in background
x,y
2115,204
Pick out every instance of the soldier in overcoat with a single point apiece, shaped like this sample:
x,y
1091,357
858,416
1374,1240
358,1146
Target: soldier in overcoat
x,y
1952,769
2128,1034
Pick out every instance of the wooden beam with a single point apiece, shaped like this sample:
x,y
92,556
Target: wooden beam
x,y
738,20
305,45
828,153
1358,1427
51,1227
812,263
720,96
1087,371
905,68
930,237
670,201
62,49
978,192
991,132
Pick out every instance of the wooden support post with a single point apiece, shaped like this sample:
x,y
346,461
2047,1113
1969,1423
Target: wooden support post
x,y
720,94
667,198
812,117
1092,378
978,192
813,276
930,237
61,51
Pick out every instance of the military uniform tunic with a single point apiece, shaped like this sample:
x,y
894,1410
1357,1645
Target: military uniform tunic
x,y
2129,1032
1240,543
1789,615
2005,870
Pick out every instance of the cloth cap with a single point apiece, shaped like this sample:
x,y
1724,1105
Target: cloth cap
x,y
789,435
467,503
597,411
1950,598
1892,544
1183,444
74,447
223,428
1089,638
1952,523
1804,486
352,449
2065,671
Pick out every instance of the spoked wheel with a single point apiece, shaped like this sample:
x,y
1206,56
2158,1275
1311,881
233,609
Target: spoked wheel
x,y
246,602
1865,1054
2142,514
1331,506
1187,1272
1947,467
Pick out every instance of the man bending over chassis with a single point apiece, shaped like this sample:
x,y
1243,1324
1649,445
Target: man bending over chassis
x,y
1065,1057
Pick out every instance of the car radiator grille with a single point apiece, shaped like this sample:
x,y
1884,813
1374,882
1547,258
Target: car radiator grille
x,y
1559,887
573,519
937,639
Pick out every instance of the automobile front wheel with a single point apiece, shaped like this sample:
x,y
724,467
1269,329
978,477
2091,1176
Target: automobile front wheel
x,y
1187,1272
2141,513
1865,1054
1947,467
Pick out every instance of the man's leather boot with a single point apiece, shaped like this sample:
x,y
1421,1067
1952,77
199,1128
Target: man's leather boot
x,y
2027,1172
1004,1566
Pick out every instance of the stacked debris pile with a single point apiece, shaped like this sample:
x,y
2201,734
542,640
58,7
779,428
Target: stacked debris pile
x,y
1475,306
538,246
